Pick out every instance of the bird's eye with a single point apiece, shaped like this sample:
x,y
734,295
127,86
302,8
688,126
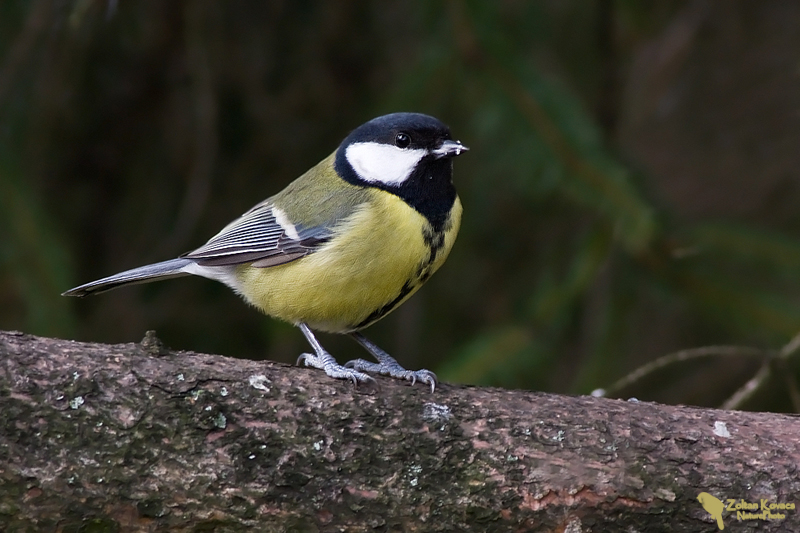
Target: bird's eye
x,y
402,140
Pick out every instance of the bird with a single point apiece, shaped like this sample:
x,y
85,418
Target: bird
x,y
341,246
713,506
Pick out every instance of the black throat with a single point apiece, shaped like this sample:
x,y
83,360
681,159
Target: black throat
x,y
429,189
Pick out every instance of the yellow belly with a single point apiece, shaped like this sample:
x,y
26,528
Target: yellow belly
x,y
376,260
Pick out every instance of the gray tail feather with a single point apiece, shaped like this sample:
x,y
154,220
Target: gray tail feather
x,y
156,271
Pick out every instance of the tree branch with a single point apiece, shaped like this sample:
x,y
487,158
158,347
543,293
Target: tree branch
x,y
134,437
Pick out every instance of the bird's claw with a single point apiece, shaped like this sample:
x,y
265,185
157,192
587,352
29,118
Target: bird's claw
x,y
334,369
394,370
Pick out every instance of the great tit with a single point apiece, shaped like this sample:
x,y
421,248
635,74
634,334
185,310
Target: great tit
x,y
341,246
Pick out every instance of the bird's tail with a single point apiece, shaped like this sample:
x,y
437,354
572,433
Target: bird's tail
x,y
166,269
720,525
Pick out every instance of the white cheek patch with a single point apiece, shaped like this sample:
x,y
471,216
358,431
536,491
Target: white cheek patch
x,y
383,163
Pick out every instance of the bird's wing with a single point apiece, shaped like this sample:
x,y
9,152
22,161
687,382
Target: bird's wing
x,y
263,236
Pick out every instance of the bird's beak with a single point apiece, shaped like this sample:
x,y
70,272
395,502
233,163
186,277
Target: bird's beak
x,y
449,149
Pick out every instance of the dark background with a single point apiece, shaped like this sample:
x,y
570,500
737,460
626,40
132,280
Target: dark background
x,y
632,187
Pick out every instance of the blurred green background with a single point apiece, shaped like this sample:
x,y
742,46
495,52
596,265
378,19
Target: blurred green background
x,y
632,187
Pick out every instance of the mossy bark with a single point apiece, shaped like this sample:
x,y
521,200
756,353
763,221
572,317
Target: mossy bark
x,y
135,437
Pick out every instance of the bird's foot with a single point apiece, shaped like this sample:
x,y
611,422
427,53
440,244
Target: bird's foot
x,y
327,363
393,369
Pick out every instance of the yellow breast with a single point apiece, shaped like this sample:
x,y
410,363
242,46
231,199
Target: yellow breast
x,y
377,258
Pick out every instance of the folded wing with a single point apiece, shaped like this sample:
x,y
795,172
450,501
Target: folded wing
x,y
264,236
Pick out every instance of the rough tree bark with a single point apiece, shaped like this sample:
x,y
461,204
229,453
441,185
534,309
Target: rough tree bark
x,y
134,437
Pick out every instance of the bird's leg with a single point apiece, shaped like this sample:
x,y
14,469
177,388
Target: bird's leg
x,y
325,361
387,365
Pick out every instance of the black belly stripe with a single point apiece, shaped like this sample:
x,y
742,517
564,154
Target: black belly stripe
x,y
435,242
380,312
